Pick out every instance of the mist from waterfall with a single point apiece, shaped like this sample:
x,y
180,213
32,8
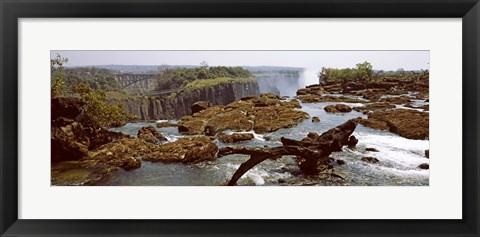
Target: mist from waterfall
x,y
308,77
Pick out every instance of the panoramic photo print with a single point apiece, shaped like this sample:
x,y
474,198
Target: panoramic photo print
x,y
246,118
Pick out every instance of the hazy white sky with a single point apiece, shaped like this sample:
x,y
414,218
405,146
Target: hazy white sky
x,y
381,60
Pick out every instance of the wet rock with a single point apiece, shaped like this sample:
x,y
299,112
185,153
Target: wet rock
x,y
316,120
343,108
407,123
340,162
199,106
266,114
192,126
370,159
371,149
427,153
352,141
371,95
235,137
374,106
424,166
80,172
303,91
396,100
184,150
313,98
166,124
311,136
281,181
150,134
373,123
338,108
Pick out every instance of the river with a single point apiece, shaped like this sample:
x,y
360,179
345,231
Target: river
x,y
398,157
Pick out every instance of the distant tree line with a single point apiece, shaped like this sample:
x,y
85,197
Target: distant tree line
x,y
175,78
95,78
364,72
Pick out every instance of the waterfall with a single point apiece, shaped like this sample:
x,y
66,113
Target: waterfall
x,y
308,77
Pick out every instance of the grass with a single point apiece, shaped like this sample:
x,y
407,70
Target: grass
x,y
201,83
118,95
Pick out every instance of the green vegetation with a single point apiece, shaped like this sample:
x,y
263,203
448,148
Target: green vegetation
x,y
97,110
57,80
176,78
363,71
211,82
95,78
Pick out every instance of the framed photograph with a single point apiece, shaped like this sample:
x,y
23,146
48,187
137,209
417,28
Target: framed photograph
x,y
253,118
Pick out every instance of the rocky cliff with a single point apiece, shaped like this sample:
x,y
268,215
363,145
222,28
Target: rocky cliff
x,y
176,105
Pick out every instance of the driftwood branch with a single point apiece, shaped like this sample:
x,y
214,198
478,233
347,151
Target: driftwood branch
x,y
311,151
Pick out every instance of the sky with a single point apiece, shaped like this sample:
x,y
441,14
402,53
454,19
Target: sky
x,y
381,60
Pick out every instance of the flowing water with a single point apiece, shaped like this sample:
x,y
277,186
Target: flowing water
x,y
398,158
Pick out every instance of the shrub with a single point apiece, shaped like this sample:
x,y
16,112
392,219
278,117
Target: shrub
x,y
97,110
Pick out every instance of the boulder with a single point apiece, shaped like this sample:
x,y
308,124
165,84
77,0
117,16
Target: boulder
x,y
427,153
352,141
338,108
199,106
235,137
371,149
316,120
150,134
424,166
342,108
370,159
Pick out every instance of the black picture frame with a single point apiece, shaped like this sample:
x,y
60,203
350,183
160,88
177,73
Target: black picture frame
x,y
11,11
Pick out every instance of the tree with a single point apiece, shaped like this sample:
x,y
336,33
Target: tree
x,y
97,110
57,87
204,64
364,71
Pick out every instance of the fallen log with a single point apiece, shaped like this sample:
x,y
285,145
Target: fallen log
x,y
311,153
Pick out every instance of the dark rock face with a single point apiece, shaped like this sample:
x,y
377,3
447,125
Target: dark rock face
x,y
370,159
71,140
199,106
178,105
427,153
65,108
150,134
371,149
235,137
